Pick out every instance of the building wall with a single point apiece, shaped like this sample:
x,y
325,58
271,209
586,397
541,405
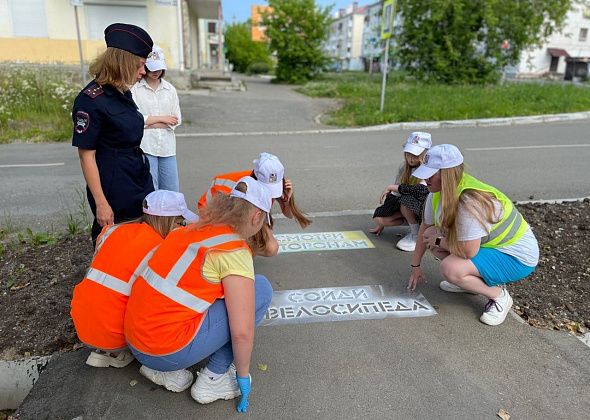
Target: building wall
x,y
371,44
537,61
60,44
256,17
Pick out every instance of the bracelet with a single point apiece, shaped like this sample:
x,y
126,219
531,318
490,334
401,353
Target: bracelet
x,y
415,266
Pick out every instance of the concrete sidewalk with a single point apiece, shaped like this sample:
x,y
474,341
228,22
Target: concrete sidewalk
x,y
264,106
444,366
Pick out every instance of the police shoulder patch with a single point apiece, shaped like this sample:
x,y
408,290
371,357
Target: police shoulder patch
x,y
94,90
82,122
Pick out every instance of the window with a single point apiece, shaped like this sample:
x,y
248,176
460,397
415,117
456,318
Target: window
x,y
28,18
583,34
212,27
99,16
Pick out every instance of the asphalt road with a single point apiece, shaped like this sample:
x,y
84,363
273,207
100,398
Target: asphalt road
x,y
331,172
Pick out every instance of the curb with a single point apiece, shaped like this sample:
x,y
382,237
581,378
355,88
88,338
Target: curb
x,y
418,125
17,377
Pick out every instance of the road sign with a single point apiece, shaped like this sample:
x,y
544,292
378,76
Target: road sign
x,y
387,19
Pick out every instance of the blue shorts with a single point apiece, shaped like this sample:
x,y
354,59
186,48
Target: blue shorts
x,y
497,268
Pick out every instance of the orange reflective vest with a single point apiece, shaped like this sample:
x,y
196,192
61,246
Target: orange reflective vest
x,y
99,301
223,183
171,297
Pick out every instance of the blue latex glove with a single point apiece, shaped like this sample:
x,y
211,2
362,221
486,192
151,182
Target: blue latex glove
x,y
244,383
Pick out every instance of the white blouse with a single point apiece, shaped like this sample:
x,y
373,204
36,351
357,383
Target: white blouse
x,y
163,101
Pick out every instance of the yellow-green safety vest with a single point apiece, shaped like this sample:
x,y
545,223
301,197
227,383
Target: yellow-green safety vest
x,y
507,231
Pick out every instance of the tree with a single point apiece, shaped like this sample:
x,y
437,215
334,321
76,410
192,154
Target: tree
x,y
470,41
297,30
242,51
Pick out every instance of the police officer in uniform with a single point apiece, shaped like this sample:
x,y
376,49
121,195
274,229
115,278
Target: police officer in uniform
x,y
108,129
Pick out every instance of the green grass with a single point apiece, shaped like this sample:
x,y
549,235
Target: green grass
x,y
411,101
35,104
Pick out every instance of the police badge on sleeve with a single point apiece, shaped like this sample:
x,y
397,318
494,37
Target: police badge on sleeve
x,y
82,122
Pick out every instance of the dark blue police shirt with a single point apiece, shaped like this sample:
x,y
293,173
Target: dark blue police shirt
x,y
105,117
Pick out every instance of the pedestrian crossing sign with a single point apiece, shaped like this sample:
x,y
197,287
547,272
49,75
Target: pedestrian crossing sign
x,y
387,19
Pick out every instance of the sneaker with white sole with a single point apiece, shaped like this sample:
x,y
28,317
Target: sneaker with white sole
x,y
99,358
450,287
407,243
175,381
206,390
496,309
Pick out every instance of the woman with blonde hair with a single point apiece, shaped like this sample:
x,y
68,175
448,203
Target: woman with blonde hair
x,y
100,299
199,298
481,238
108,129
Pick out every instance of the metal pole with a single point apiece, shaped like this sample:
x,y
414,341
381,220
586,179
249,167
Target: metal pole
x,y
384,70
180,35
82,72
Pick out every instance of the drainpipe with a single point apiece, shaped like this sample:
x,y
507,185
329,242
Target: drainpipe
x,y
219,34
180,34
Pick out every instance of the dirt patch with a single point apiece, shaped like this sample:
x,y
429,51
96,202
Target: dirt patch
x,y
557,295
36,283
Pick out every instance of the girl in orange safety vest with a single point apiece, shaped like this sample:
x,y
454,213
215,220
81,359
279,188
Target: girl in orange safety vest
x,y
269,170
199,298
99,300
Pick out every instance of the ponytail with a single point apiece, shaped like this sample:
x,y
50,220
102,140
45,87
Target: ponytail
x,y
301,217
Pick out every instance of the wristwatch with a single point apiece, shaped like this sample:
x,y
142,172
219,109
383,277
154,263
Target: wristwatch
x,y
437,241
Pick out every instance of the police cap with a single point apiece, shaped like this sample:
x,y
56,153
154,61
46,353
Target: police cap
x,y
130,38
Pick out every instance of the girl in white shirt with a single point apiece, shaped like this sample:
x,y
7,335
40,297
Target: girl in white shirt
x,y
158,101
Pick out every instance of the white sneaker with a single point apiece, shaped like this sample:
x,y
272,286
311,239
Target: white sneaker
x,y
99,358
407,243
450,287
175,381
206,390
496,309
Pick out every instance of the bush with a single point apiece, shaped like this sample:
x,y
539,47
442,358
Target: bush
x,y
258,68
35,104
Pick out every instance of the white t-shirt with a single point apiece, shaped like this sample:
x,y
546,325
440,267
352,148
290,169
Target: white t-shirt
x,y
162,101
526,249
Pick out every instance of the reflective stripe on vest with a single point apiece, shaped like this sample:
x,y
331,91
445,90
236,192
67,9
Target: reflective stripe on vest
x,y
116,284
108,281
103,237
219,182
508,230
169,286
501,227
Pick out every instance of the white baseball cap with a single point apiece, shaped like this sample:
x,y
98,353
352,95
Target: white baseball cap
x,y
439,157
155,59
256,193
270,171
168,203
417,142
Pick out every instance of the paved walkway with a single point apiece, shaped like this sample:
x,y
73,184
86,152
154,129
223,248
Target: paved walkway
x,y
444,366
262,107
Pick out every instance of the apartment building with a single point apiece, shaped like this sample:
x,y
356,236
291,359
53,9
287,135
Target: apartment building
x,y
345,40
372,45
565,53
44,31
258,29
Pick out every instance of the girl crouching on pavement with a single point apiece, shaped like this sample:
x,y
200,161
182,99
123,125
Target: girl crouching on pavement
x,y
481,238
199,298
99,300
270,171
